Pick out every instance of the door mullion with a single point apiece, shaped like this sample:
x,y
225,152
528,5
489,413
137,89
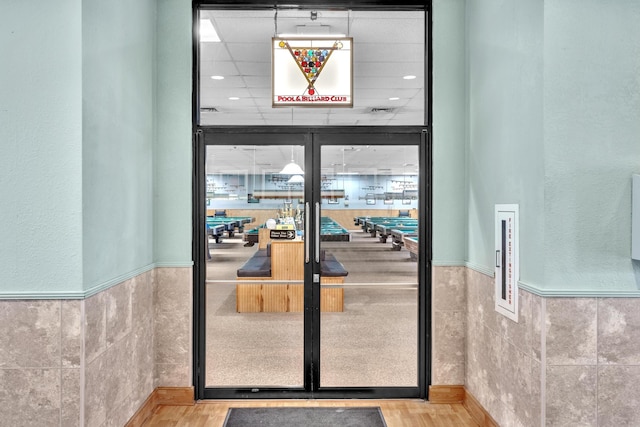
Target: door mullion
x,y
313,165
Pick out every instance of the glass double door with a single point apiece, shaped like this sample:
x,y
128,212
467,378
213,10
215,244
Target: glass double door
x,y
310,265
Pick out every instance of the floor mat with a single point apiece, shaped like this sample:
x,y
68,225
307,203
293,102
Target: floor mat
x,y
307,417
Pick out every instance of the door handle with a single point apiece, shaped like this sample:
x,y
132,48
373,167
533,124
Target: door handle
x,y
317,232
307,215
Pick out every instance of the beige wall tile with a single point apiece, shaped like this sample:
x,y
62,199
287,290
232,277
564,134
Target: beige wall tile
x,y
535,405
142,303
118,311
143,338
494,406
563,338
619,396
168,375
537,327
448,348
50,334
505,416
30,397
520,333
571,396
173,341
490,357
120,381
502,356
449,325
173,291
483,288
619,331
516,382
70,397
483,342
95,395
449,293
95,333
71,336
30,334
482,377
173,325
120,378
571,331
472,358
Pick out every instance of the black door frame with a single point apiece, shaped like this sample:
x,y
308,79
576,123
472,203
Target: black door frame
x,y
311,389
425,221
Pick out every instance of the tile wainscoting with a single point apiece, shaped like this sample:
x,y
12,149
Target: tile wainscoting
x,y
449,302
568,361
503,358
94,362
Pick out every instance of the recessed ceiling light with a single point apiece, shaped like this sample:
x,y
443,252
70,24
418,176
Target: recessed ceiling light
x,y
394,98
217,77
233,98
207,32
410,77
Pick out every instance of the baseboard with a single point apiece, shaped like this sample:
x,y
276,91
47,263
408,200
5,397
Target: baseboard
x,y
477,411
174,396
446,393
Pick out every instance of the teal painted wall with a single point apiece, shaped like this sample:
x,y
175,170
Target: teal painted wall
x,y
505,115
118,88
41,140
449,133
591,142
547,119
172,161
554,101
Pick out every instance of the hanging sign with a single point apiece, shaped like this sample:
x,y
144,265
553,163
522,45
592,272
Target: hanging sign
x,y
314,72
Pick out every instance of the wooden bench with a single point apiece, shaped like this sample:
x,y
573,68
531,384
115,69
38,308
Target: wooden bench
x,y
284,260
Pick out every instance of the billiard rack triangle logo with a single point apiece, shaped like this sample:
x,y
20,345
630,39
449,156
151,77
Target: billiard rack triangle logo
x,y
311,61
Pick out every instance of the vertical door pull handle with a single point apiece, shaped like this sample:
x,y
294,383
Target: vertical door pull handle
x,y
307,215
317,236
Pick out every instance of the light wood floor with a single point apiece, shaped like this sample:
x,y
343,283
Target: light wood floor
x,y
397,413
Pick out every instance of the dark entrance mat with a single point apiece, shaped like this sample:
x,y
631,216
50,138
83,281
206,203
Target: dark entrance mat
x,y
306,417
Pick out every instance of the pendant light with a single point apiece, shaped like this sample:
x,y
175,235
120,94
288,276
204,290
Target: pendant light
x,y
292,168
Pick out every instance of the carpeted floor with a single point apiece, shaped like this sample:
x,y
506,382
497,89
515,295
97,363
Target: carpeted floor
x,y
372,343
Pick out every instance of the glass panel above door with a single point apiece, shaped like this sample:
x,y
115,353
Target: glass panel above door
x,y
236,66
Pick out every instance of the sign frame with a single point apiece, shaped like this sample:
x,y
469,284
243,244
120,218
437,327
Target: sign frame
x,y
284,62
